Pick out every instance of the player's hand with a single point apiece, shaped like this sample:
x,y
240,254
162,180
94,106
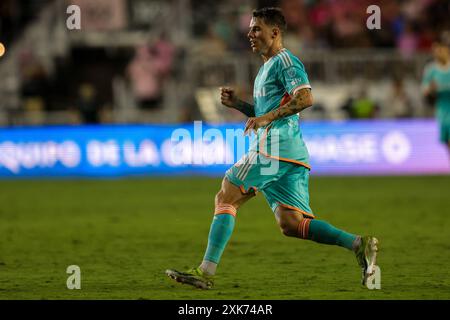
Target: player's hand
x,y
433,87
430,93
254,123
227,97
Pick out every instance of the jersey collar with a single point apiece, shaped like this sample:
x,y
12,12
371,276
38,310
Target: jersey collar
x,y
279,52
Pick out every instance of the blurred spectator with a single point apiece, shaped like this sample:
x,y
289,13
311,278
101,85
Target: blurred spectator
x,y
426,39
148,70
164,54
408,41
320,14
348,27
145,79
398,101
361,106
88,104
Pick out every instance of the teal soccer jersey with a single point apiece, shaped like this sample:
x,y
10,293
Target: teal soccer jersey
x,y
278,79
277,163
441,77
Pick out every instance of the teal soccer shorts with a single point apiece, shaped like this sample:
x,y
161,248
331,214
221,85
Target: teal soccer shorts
x,y
282,183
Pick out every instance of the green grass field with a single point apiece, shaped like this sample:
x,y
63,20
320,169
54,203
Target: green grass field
x,y
124,234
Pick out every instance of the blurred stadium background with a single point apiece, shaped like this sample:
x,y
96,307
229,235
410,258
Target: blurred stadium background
x,y
104,100
188,48
162,62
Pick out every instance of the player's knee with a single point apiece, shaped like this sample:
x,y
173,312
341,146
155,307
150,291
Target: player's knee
x,y
287,229
230,194
223,197
288,220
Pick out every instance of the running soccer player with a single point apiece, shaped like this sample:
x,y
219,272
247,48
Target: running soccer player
x,y
282,77
436,85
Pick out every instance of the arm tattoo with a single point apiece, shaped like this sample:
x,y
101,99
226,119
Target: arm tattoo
x,y
245,108
301,100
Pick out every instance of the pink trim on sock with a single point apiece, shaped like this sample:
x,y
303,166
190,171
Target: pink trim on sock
x,y
306,234
303,228
225,209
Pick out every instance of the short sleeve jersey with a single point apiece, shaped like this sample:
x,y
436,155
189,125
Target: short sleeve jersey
x,y
278,79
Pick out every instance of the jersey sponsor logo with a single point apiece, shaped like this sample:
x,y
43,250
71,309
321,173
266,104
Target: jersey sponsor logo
x,y
291,72
295,77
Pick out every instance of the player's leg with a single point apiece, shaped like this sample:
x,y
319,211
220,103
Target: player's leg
x,y
444,135
294,224
231,196
239,185
227,202
289,199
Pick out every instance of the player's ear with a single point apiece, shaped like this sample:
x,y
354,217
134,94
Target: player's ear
x,y
275,32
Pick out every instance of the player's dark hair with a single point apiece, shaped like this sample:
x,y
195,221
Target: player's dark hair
x,y
271,16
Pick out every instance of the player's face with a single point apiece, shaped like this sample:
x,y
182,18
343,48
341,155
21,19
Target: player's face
x,y
260,36
441,52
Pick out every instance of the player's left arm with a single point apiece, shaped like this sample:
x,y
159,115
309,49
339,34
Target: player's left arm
x,y
301,100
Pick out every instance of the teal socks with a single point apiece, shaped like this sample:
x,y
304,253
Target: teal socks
x,y
323,232
220,232
316,230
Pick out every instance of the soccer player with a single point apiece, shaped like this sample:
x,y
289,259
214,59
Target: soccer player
x,y
282,77
436,85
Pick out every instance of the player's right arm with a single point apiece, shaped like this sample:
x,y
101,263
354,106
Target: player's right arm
x,y
229,99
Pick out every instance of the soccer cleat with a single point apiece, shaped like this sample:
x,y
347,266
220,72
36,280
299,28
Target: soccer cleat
x,y
194,277
367,257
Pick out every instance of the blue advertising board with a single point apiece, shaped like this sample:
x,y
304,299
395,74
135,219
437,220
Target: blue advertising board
x,y
336,148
